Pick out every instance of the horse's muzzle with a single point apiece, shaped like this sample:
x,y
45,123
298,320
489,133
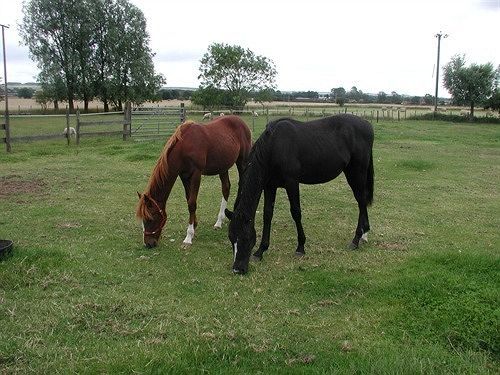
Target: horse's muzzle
x,y
150,244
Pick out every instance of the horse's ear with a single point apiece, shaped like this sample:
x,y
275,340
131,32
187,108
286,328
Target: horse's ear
x,y
229,214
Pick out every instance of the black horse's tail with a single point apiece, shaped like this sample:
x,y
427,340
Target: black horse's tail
x,y
370,181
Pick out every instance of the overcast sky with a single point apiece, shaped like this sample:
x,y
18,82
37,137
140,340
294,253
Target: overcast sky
x,y
377,45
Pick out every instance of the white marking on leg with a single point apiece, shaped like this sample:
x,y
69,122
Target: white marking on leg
x,y
143,230
364,237
189,235
235,251
221,216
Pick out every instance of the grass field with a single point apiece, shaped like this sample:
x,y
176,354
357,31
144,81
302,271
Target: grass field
x,y
81,294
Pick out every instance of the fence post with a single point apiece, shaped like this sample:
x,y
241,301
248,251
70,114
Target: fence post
x,y
398,115
126,120
6,127
78,126
377,115
253,122
68,133
267,115
183,113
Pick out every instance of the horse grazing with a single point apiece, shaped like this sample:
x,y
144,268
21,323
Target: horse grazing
x,y
290,152
193,150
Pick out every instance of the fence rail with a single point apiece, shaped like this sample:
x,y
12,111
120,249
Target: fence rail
x,y
146,123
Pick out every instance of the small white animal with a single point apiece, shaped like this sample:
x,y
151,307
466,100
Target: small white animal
x,y
72,131
221,114
207,116
255,114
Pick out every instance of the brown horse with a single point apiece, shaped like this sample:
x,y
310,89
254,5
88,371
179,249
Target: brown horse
x,y
193,150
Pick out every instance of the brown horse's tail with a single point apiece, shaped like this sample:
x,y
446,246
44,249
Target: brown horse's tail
x,y
370,181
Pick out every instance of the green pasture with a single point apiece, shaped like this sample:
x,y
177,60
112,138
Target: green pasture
x,y
80,294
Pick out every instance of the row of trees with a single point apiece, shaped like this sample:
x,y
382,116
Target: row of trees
x,y
231,75
89,49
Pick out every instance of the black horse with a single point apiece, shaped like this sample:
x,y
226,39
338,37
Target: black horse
x,y
290,152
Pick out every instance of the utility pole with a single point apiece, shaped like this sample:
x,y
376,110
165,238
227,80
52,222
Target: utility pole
x,y
7,128
438,36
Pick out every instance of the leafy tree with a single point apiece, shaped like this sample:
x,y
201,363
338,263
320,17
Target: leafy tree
x,y
381,97
25,92
53,87
395,98
265,95
338,92
493,102
428,99
97,47
472,84
51,29
211,97
236,70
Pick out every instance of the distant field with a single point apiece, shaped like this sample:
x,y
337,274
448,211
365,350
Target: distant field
x,y
23,106
80,294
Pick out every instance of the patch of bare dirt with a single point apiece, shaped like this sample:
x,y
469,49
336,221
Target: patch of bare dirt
x,y
13,184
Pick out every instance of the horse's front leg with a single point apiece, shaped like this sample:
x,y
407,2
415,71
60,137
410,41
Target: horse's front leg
x,y
191,186
269,199
226,187
293,192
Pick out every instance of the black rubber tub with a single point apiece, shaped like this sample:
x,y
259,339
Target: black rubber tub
x,y
5,248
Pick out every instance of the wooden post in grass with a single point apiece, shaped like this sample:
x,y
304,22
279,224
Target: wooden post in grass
x,y
182,113
77,126
127,119
68,133
6,125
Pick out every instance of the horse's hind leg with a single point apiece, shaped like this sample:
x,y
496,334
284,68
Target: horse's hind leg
x,y
269,198
357,182
292,190
226,187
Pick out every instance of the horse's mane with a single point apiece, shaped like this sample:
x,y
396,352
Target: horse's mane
x,y
160,172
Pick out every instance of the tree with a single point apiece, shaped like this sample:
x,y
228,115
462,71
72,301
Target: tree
x,y
381,97
210,97
127,65
53,87
236,70
52,31
493,102
262,96
96,47
472,84
339,95
25,93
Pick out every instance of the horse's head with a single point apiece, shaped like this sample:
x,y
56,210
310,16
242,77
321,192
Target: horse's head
x,y
153,219
242,235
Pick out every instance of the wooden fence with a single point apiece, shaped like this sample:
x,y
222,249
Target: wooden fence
x,y
125,131
84,127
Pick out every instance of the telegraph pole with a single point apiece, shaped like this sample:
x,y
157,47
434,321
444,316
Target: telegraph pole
x,y
438,36
7,128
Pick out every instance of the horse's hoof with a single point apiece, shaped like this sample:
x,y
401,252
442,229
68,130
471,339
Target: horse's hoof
x,y
352,246
217,227
237,271
186,245
299,254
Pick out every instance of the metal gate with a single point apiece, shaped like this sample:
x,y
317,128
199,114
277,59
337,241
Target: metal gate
x,y
156,122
